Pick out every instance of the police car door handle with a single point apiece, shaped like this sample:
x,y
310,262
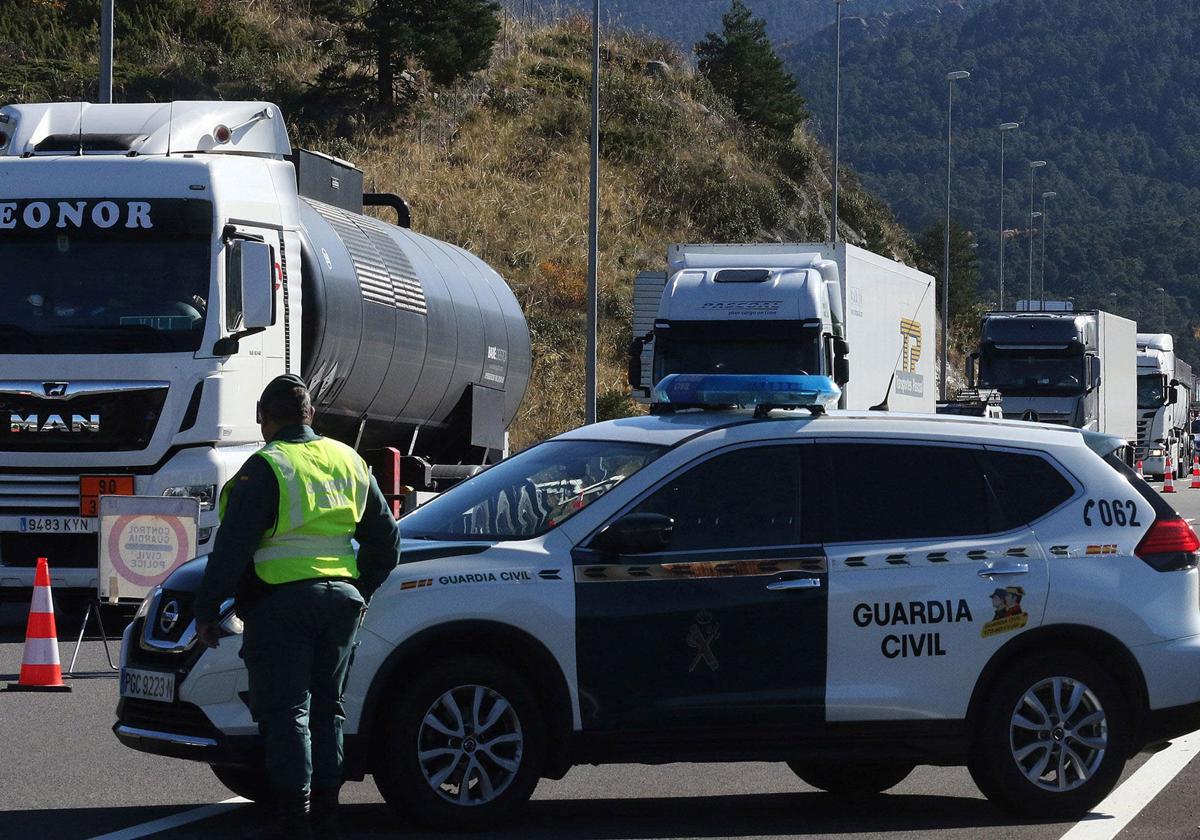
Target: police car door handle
x,y
794,583
1006,569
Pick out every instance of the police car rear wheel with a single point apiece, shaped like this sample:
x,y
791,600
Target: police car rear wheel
x,y
847,780
463,747
1054,739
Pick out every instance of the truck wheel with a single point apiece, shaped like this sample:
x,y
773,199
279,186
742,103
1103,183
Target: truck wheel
x,y
248,782
463,745
851,779
1053,739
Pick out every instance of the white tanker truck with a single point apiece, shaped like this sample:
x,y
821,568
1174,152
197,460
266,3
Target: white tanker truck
x,y
162,262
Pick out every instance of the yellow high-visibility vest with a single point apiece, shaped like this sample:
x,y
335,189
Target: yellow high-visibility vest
x,y
323,488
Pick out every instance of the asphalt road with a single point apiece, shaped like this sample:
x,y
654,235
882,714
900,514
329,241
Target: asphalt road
x,y
64,776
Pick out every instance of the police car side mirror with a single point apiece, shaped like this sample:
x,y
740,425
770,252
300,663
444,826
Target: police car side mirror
x,y
635,533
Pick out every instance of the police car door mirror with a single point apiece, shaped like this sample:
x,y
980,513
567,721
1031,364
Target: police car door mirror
x,y
635,533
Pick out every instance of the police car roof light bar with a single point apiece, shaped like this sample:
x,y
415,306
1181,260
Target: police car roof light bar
x,y
761,392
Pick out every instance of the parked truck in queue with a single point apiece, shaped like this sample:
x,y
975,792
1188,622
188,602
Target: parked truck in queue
x,y
1070,368
1164,396
840,311
162,263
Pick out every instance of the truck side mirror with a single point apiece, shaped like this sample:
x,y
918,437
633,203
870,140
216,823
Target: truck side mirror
x,y
841,361
971,360
249,286
1172,396
1093,372
634,352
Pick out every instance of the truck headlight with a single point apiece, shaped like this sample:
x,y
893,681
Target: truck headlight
x,y
206,493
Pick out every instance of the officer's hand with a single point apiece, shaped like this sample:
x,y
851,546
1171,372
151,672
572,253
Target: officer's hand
x,y
208,634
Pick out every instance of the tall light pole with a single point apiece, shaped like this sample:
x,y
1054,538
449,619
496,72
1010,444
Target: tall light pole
x,y
1034,166
837,122
1163,306
593,224
106,52
951,77
1045,224
1004,129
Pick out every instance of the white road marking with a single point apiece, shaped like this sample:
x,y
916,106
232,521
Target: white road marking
x,y
175,820
1120,807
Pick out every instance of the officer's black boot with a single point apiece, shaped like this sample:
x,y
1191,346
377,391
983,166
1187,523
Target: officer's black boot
x,y
324,814
287,820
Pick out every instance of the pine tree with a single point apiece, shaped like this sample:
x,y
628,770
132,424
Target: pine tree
x,y
741,64
449,38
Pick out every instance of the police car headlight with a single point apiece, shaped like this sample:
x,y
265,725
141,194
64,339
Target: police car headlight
x,y
1156,453
143,609
206,493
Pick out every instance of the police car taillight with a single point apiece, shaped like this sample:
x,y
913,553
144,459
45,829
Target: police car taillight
x,y
1169,546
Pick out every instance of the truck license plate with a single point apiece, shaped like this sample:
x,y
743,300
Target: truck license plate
x,y
57,525
148,685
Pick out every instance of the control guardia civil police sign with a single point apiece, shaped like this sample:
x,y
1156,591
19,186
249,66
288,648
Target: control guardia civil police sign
x,y
142,540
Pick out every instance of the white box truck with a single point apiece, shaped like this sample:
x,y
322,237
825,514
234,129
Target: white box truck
x,y
836,310
162,262
1074,368
1164,395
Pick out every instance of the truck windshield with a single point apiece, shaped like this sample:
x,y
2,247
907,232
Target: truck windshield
x,y
1151,391
723,356
1025,374
137,285
530,493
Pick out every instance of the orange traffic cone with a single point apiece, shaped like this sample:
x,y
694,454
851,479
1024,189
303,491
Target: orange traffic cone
x,y
1140,473
40,669
1169,478
1195,473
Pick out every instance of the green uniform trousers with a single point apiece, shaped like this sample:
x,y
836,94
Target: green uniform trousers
x,y
297,646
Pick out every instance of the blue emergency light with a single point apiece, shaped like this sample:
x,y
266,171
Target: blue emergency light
x,y
687,390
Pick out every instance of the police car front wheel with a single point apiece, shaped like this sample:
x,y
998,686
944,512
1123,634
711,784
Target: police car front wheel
x,y
1053,739
463,745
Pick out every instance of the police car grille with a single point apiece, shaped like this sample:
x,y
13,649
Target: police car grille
x,y
176,718
39,495
183,603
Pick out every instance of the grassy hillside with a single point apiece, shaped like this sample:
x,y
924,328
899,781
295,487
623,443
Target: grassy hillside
x,y
498,164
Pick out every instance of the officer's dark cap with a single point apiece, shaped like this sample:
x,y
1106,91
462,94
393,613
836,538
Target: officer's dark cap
x,y
285,399
282,386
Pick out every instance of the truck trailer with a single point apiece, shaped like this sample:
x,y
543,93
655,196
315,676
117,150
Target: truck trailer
x,y
1071,368
162,263
1164,394
839,311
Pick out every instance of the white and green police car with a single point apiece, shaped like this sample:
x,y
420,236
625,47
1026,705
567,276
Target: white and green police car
x,y
851,594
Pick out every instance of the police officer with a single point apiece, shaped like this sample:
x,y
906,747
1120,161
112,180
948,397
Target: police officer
x,y
284,551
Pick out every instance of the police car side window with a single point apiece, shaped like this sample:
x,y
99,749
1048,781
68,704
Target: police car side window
x,y
901,491
1027,486
739,499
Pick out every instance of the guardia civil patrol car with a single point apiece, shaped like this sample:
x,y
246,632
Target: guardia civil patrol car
x,y
849,594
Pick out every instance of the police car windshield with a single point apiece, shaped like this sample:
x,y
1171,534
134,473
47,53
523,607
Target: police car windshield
x,y
529,493
77,283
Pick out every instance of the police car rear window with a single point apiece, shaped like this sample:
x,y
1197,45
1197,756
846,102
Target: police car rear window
x,y
899,491
1027,486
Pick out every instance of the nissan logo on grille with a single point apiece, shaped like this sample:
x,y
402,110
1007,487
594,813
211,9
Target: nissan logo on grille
x,y
53,423
169,616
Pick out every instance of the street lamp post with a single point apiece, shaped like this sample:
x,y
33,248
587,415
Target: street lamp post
x,y
951,78
1163,306
1004,129
837,126
1034,166
593,278
1045,224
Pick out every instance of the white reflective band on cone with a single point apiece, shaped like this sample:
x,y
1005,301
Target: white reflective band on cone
x,y
40,652
42,602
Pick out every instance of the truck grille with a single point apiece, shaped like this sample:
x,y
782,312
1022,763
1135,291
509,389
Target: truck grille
x,y
125,420
39,495
1143,426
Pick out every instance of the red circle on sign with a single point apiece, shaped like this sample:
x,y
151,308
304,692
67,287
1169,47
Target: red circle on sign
x,y
114,551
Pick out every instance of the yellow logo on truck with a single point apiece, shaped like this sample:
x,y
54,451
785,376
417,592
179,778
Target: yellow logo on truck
x,y
910,331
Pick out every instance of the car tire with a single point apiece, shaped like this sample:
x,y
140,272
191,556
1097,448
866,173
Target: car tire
x,y
248,782
851,779
431,745
1045,759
